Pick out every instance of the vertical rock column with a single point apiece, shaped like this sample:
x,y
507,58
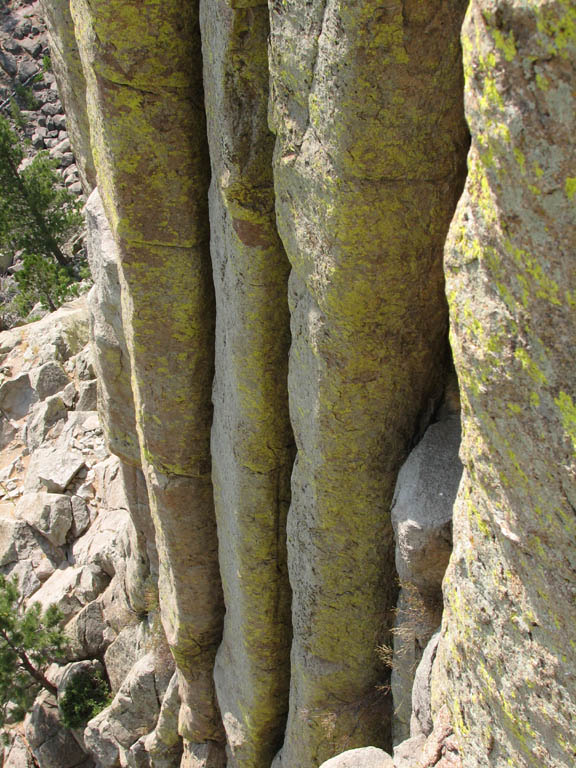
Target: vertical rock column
x,y
145,101
71,84
508,656
251,436
115,397
366,103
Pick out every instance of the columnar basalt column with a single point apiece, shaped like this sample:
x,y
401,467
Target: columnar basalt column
x,y
367,106
71,84
252,443
115,397
507,656
145,101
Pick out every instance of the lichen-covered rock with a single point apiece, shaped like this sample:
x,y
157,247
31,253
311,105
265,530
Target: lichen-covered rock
x,y
145,103
367,107
506,661
71,84
251,435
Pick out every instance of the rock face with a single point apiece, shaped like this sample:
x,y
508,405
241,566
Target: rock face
x,y
72,86
251,435
145,69
422,520
507,666
269,325
359,150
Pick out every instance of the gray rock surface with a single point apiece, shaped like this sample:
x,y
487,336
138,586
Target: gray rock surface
x,y
49,513
505,666
422,519
251,435
422,508
52,745
369,163
48,379
365,757
421,722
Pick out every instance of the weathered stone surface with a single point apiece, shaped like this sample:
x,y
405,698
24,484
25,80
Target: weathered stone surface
x,y
87,633
122,654
49,513
17,396
71,589
111,359
251,434
44,416
71,84
87,396
368,167
407,754
164,745
18,754
48,379
207,755
144,70
505,664
131,715
365,757
104,544
53,745
421,721
422,519
422,508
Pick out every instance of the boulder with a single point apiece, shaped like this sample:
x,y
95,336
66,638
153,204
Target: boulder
x,y
407,754
421,722
48,379
72,588
164,744
87,395
18,754
49,513
88,634
207,755
53,745
122,654
131,715
44,416
104,543
17,396
365,757
422,507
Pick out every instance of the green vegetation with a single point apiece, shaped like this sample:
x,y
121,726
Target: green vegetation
x,y
29,641
37,216
87,693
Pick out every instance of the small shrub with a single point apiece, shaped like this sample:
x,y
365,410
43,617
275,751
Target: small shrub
x,y
87,694
43,281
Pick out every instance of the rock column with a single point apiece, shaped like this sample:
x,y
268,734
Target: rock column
x,y
366,104
507,656
251,436
67,65
145,101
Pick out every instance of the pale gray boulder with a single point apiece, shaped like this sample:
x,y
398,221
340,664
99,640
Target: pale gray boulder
x,y
53,745
17,396
48,513
44,416
422,508
364,757
48,379
421,722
